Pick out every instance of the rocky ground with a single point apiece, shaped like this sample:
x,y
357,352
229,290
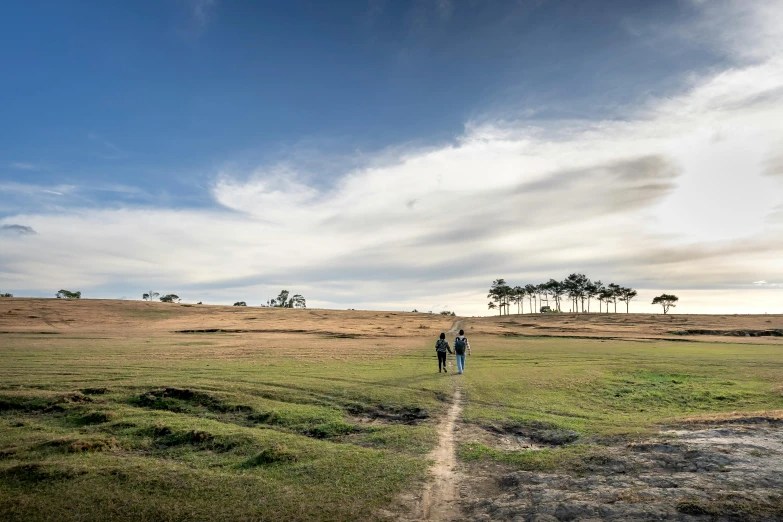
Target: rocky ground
x,y
724,471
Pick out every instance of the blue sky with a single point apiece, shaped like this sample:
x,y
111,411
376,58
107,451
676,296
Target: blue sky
x,y
156,94
244,126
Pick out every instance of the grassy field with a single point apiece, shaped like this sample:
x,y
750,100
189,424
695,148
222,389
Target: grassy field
x,y
596,391
109,410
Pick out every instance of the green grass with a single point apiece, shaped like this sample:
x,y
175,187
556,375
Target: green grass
x,y
179,428
610,388
575,458
136,429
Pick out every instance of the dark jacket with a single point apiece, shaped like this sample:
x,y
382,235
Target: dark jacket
x,y
442,345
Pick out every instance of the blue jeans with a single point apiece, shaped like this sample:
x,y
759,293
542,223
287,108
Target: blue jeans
x,y
460,362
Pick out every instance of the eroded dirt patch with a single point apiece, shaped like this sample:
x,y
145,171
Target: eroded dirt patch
x,y
730,471
381,415
732,333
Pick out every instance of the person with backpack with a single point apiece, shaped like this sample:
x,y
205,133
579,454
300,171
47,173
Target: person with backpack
x,y
461,346
441,347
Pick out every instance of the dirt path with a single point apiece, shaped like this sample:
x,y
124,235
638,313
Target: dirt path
x,y
439,501
440,496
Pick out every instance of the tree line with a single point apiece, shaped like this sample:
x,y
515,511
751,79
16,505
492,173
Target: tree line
x,y
577,289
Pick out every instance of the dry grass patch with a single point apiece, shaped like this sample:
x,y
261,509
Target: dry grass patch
x,y
732,416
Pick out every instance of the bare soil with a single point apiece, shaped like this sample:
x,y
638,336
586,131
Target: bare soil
x,y
724,469
440,495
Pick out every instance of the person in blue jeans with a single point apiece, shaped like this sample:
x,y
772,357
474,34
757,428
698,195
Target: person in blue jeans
x,y
461,347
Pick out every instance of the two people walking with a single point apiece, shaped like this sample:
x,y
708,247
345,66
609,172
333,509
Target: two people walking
x,y
461,348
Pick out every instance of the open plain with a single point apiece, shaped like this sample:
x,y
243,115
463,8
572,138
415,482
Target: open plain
x,y
115,410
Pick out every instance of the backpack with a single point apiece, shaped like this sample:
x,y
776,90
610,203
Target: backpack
x,y
460,345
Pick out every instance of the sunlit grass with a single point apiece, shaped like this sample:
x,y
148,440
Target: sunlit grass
x,y
599,387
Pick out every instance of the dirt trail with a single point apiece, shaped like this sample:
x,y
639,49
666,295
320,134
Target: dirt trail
x,y
439,498
439,501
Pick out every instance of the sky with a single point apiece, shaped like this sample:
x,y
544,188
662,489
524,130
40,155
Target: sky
x,y
394,155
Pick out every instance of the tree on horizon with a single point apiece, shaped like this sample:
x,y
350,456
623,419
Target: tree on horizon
x,y
626,295
666,301
284,301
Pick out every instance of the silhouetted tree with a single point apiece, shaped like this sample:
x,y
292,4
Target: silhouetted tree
x,y
283,301
614,294
518,296
598,289
666,301
240,303
530,290
170,298
556,290
6,295
626,296
541,290
149,296
591,291
67,294
575,286
499,292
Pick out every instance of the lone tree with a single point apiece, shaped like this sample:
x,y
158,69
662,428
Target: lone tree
x,y
170,298
666,301
149,296
67,294
240,303
626,295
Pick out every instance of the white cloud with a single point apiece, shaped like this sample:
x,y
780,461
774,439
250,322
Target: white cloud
x,y
20,165
202,11
676,197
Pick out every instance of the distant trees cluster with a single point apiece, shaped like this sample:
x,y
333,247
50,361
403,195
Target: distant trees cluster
x,y
168,298
67,294
578,289
446,312
6,295
284,301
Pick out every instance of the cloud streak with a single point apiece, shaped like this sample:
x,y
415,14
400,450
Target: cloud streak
x,y
20,165
19,230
